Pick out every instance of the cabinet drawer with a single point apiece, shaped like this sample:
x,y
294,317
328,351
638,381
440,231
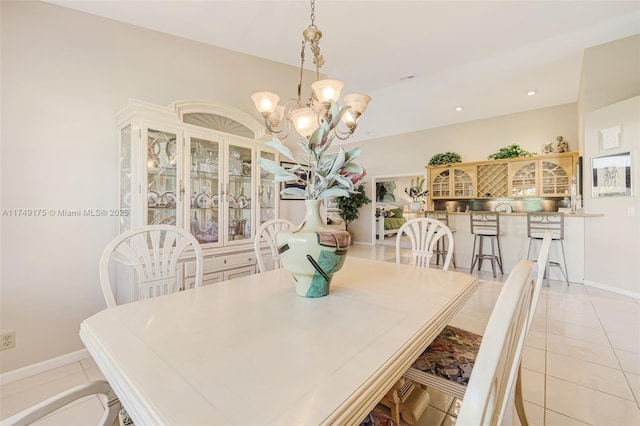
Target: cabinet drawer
x,y
221,263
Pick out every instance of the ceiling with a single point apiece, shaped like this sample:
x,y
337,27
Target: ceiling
x,y
482,55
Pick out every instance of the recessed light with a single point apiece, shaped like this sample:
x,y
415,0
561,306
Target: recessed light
x,y
531,92
459,108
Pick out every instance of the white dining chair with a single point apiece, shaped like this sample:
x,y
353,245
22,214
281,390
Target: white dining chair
x,y
448,363
110,402
267,232
156,253
424,235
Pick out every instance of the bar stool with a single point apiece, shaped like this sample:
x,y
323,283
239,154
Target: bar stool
x,y
539,222
441,245
485,224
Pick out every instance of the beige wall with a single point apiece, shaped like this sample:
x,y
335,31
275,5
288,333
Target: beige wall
x,y
64,75
610,96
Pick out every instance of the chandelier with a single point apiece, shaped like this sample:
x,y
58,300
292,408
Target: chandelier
x,y
307,117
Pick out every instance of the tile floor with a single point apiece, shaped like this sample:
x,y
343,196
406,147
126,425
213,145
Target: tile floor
x,y
581,362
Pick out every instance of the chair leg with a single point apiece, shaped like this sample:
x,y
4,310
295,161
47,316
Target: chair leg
x,y
480,252
564,259
493,258
519,403
529,251
499,254
474,259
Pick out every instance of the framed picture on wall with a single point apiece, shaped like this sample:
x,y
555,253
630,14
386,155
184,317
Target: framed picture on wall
x,y
302,174
332,204
612,175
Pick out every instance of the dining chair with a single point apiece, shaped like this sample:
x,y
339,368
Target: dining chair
x,y
156,253
537,224
111,404
267,231
424,235
485,224
441,247
448,363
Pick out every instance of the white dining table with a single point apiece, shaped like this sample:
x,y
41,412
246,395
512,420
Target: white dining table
x,y
249,351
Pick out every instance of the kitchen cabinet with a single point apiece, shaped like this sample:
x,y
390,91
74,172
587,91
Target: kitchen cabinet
x,y
454,181
542,176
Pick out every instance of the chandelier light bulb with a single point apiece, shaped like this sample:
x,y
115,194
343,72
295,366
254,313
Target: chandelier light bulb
x,y
265,102
358,103
327,90
305,120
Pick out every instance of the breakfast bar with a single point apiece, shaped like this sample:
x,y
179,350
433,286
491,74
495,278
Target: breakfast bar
x,y
515,243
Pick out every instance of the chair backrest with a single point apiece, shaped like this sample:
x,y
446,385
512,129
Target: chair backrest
x,y
48,406
539,222
485,223
155,252
424,234
488,393
441,215
268,231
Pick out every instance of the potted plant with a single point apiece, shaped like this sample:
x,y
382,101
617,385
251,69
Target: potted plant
x,y
417,193
349,206
445,158
511,151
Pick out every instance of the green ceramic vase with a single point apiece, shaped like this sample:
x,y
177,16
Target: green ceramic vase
x,y
313,252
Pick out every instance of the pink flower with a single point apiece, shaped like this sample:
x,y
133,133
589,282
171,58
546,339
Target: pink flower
x,y
354,177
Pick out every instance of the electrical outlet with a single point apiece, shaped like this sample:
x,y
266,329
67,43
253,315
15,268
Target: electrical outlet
x,y
7,340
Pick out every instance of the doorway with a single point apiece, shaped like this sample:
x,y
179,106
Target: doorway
x,y
390,195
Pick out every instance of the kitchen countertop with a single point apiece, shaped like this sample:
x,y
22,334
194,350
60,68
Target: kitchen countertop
x,y
502,214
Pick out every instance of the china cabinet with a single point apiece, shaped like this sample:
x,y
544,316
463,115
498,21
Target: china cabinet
x,y
193,165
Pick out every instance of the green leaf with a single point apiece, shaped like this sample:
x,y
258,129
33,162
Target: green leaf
x,y
282,149
271,166
344,181
289,177
293,191
352,154
339,161
352,168
334,192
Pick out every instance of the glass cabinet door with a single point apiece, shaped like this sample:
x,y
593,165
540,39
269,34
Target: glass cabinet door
x,y
162,178
267,191
238,194
204,183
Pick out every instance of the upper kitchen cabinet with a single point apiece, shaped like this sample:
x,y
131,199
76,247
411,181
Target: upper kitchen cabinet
x,y
543,176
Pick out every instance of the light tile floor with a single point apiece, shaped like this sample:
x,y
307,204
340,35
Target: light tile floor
x,y
581,361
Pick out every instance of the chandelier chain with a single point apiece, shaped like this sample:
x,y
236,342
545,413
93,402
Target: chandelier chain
x,y
313,12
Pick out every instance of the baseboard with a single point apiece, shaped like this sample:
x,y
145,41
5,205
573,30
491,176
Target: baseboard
x,y
41,367
612,289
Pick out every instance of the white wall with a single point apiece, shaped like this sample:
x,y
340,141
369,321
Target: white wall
x,y
408,154
612,242
64,75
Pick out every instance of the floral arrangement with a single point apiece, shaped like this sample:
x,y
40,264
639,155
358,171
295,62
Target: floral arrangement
x,y
323,175
416,191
